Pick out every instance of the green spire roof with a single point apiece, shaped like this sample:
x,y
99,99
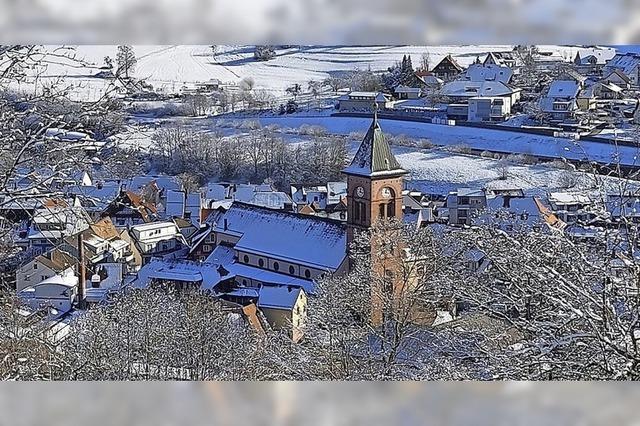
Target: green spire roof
x,y
374,156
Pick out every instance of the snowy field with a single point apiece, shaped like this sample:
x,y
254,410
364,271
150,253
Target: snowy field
x,y
480,139
169,67
438,170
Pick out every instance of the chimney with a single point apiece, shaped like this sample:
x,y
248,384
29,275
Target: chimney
x,y
82,300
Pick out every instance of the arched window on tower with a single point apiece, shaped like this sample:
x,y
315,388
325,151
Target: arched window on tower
x,y
387,207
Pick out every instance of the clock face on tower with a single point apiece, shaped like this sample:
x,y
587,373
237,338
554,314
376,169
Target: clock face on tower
x,y
359,192
386,193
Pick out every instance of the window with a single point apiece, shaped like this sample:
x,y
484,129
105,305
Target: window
x,y
35,266
206,247
244,282
276,266
307,273
260,263
391,209
246,259
292,270
381,213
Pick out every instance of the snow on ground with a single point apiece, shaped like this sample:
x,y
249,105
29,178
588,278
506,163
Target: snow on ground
x,y
437,170
476,138
169,67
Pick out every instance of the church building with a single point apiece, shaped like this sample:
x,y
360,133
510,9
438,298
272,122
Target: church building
x,y
374,182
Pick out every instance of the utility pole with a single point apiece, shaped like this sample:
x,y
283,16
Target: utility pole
x,y
82,298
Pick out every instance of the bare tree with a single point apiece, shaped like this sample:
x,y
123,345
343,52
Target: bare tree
x,y
126,60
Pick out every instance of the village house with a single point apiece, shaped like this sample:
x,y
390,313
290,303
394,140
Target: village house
x,y
58,292
465,204
560,101
94,198
618,78
209,86
461,91
428,80
130,209
203,241
572,207
591,62
328,200
364,101
157,239
264,195
284,307
418,209
182,205
447,69
45,266
50,226
488,109
506,59
518,214
626,63
489,72
104,250
406,92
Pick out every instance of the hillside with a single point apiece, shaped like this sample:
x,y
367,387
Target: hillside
x,y
169,67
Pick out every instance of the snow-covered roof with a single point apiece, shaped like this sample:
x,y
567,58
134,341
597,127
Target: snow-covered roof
x,y
489,72
364,94
470,89
268,277
602,55
568,198
62,280
307,240
207,274
620,74
625,62
563,89
175,204
66,135
164,182
273,200
377,96
221,255
470,192
98,197
278,297
154,225
430,80
407,89
335,191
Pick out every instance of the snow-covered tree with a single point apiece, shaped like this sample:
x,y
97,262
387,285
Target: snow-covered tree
x,y
264,52
126,60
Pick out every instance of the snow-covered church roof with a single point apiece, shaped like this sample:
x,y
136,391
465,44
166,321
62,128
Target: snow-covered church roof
x,y
291,237
374,156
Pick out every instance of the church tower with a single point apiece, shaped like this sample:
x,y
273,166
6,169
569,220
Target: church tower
x,y
374,193
374,182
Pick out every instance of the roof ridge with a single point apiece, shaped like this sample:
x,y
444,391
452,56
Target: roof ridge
x,y
288,213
